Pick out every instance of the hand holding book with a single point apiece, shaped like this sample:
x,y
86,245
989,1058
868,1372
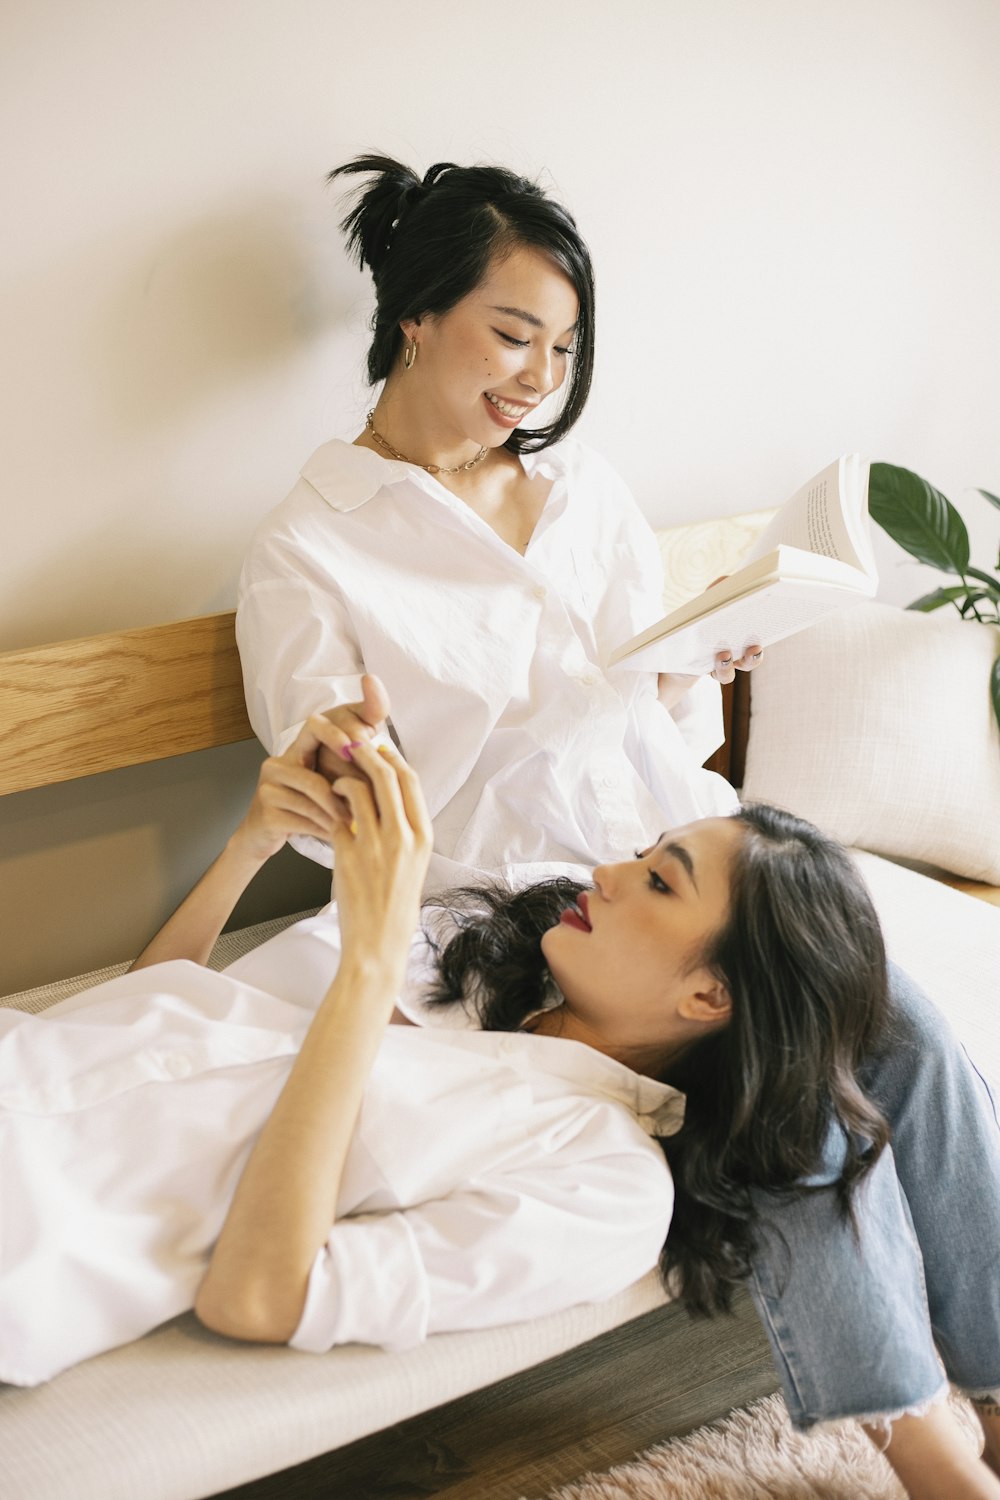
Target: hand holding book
x,y
814,557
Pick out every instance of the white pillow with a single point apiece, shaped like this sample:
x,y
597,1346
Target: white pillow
x,y
876,724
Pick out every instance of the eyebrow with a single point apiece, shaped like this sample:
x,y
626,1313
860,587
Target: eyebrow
x,y
526,317
683,858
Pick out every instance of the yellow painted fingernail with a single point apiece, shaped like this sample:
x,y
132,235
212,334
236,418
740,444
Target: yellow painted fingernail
x,y
384,751
353,828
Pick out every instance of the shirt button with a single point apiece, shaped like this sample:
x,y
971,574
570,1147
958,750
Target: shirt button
x,y
176,1065
590,679
540,591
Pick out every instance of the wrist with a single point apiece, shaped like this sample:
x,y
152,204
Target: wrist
x,y
373,972
243,852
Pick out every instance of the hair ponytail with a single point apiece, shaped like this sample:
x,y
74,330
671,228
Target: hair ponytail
x,y
491,956
370,223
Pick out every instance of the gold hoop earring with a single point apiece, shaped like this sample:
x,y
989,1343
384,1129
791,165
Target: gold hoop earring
x,y
410,354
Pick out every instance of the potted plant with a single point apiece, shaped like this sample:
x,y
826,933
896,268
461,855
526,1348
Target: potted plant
x,y
927,526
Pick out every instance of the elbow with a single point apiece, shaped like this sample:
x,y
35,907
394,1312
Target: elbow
x,y
251,1314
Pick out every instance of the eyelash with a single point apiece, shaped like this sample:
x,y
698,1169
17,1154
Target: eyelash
x,y
509,338
656,882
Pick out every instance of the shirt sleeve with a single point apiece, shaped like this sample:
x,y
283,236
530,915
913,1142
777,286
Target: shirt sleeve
x,y
298,649
525,1245
698,716
297,653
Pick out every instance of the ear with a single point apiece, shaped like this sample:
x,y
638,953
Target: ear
x,y
707,1002
408,326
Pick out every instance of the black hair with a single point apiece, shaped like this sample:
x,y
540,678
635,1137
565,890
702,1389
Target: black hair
x,y
428,243
802,956
803,959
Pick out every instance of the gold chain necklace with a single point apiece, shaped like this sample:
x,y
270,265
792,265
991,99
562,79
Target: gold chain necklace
x,y
387,447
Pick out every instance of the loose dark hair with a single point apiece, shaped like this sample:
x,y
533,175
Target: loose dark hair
x,y
428,243
802,957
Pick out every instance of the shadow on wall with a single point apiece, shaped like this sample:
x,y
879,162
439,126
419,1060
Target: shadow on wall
x,y
174,348
129,551
223,300
89,869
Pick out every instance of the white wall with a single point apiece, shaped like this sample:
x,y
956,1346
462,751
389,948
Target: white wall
x,y
792,205
793,209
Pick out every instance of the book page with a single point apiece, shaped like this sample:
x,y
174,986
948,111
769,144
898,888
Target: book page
x,y
829,516
780,608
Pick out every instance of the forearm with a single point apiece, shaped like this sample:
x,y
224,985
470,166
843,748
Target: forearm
x,y
671,687
285,1202
194,927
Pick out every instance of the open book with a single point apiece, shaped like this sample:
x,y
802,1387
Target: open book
x,y
813,557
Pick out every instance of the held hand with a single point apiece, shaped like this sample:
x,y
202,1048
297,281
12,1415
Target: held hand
x,y
381,854
356,721
292,796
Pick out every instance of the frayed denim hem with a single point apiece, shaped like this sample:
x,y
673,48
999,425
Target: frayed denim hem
x,y
878,1423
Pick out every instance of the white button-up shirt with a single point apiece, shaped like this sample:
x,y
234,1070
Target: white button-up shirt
x,y
527,747
492,1177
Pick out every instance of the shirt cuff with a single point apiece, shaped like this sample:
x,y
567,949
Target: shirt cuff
x,y
698,716
367,1286
313,848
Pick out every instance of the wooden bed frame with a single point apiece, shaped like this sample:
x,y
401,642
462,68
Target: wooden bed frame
x,y
102,702
105,701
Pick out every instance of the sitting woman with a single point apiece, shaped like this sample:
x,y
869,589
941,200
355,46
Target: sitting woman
x,y
475,557
267,1146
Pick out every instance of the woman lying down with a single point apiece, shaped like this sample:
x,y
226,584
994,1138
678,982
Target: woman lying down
x,y
358,1135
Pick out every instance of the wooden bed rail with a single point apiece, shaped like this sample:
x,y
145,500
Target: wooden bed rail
x,y
77,707
74,708
730,759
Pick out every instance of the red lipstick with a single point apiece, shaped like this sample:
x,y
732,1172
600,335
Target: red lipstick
x,y
577,916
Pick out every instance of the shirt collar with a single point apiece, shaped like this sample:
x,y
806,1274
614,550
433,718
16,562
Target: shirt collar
x,y
347,476
658,1107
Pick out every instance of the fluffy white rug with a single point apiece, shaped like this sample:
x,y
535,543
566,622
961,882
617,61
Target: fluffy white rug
x,y
756,1454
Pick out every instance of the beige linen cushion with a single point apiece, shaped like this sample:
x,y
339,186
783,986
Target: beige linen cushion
x,y
876,724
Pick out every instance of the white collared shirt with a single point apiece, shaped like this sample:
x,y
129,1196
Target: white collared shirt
x,y
527,747
491,1177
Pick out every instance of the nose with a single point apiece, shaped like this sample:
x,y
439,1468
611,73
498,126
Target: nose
x,y
538,373
611,880
606,880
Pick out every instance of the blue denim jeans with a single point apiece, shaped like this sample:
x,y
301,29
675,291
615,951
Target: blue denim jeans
x,y
877,1324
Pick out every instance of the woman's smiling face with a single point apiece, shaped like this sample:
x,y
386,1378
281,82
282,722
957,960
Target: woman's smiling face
x,y
501,350
629,961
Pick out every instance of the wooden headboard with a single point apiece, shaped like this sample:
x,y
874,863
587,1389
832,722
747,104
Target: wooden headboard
x,y
730,759
105,701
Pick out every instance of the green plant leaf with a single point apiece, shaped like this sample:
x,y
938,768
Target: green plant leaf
x,y
934,600
969,607
993,499
992,584
917,516
995,689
